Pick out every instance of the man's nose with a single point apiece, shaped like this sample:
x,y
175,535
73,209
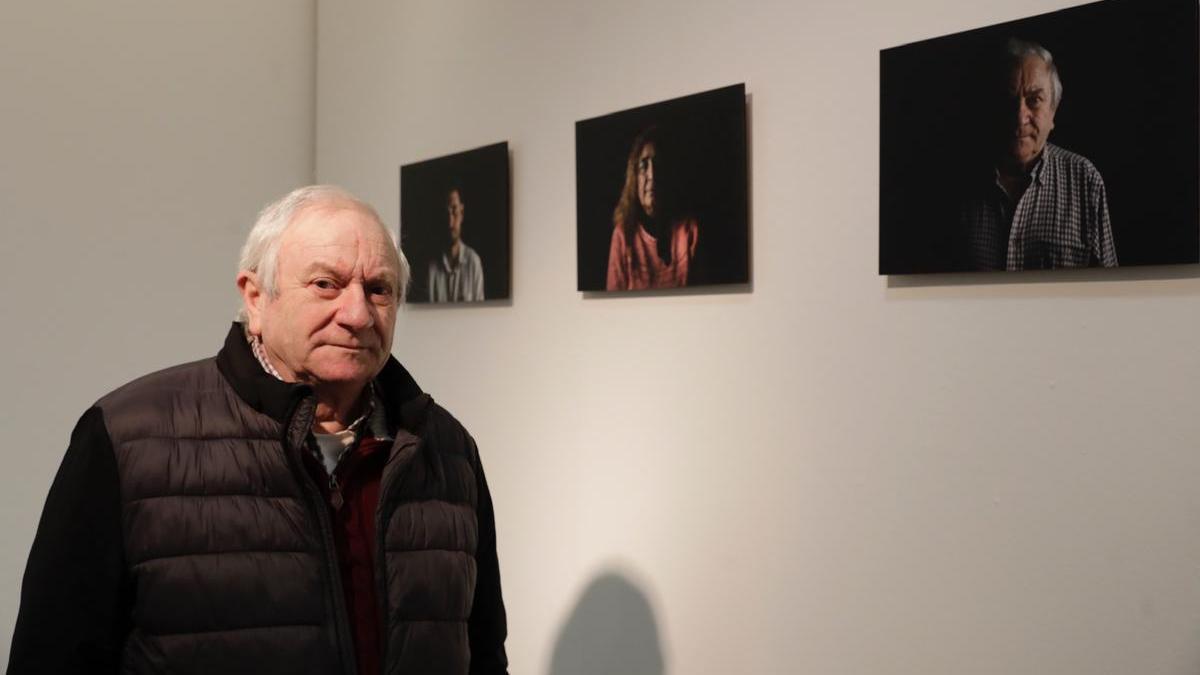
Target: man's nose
x,y
1024,114
355,310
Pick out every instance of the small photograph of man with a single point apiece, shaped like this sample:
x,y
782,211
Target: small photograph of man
x,y
661,195
446,202
457,276
1066,140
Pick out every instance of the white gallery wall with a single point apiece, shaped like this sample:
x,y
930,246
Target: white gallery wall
x,y
137,141
828,472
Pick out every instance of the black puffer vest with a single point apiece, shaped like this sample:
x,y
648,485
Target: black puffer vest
x,y
230,550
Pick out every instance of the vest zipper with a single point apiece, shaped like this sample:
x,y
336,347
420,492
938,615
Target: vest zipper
x,y
333,581
335,492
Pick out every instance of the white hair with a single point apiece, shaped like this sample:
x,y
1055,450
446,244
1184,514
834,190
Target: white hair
x,y
260,253
1019,49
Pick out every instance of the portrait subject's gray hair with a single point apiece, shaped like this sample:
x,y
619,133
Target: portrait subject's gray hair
x,y
260,253
1019,49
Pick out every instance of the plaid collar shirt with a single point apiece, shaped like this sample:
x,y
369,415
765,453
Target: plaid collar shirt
x,y
1061,220
372,421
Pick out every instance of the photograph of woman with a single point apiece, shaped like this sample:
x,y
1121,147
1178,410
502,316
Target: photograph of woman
x,y
649,249
662,195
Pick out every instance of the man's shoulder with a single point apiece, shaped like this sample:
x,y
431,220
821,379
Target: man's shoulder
x,y
1062,158
162,386
451,434
416,411
440,415
438,427
190,400
470,255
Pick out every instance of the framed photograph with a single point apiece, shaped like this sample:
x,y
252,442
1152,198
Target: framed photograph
x,y
1069,139
455,226
661,195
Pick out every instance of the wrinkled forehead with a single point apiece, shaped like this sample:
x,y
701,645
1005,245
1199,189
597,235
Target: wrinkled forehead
x,y
331,224
1027,74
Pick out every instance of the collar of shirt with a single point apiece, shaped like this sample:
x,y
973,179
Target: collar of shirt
x,y
1035,172
1038,169
457,260
332,447
256,346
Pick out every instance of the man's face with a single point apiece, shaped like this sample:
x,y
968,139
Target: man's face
x,y
645,179
1031,111
332,319
454,211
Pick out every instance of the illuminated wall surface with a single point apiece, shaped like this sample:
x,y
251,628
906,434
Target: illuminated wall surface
x,y
826,471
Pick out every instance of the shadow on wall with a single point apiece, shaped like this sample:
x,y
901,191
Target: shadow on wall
x,y
610,632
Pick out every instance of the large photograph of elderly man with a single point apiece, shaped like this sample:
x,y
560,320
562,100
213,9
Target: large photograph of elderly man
x,y
455,225
1064,140
661,195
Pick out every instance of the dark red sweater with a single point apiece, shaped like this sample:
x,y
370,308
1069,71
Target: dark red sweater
x,y
353,496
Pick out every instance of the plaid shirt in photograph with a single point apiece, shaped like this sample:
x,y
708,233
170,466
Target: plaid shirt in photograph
x,y
1061,220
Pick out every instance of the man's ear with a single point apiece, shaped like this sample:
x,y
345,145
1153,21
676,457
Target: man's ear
x,y
253,299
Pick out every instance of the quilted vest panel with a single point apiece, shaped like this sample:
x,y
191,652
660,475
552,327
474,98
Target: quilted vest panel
x,y
213,515
429,537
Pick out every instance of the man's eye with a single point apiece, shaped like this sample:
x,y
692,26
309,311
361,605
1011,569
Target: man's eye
x,y
325,284
381,289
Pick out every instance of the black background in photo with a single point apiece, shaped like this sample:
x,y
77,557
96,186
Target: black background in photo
x,y
483,177
701,169
1130,104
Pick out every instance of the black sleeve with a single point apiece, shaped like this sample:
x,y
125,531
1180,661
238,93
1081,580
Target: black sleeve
x,y
488,625
75,598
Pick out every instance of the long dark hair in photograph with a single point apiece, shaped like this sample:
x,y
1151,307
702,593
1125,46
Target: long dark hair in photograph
x,y
629,211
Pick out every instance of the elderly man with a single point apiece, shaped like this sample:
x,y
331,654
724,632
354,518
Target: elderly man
x,y
293,505
457,275
1045,207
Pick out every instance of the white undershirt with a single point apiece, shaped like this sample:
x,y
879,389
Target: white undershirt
x,y
334,446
